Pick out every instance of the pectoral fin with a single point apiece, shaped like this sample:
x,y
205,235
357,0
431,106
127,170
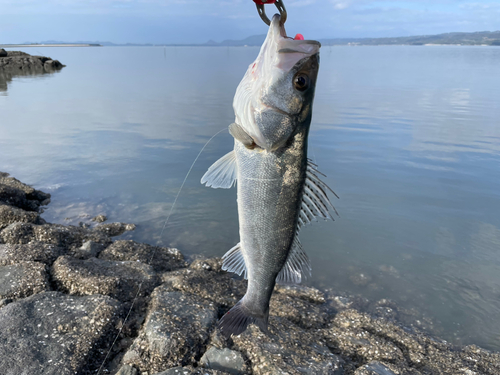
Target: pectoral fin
x,y
222,173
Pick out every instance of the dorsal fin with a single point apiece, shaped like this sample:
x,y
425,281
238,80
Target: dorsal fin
x,y
233,261
222,173
315,201
297,266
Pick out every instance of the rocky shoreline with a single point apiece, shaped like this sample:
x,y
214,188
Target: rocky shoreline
x,y
67,292
16,60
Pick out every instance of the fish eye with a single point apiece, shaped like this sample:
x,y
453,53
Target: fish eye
x,y
301,82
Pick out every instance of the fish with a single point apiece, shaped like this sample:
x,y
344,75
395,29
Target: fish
x,y
278,188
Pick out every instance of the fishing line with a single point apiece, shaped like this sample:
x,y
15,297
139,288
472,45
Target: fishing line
x,y
154,249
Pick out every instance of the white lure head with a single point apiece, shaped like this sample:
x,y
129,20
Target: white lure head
x,y
276,93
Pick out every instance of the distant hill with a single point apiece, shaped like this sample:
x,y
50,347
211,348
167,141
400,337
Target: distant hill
x,y
490,38
477,38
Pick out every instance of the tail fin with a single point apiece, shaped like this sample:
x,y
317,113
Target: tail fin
x,y
236,320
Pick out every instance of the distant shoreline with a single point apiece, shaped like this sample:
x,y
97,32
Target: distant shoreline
x,y
48,45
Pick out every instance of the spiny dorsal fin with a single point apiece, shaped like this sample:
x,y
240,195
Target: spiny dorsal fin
x,y
315,201
297,266
233,261
222,173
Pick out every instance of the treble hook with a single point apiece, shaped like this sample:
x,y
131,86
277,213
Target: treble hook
x,y
262,13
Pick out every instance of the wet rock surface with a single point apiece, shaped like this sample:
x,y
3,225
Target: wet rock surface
x,y
175,331
22,280
120,280
160,258
68,293
52,333
20,60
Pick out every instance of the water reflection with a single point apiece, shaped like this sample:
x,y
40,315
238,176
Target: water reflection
x,y
8,74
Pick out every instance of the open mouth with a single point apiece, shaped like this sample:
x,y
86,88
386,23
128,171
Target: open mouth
x,y
293,45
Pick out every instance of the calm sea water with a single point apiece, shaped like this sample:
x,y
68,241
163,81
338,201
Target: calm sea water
x,y
409,138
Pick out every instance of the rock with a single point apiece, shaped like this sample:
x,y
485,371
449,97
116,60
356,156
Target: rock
x,y
55,334
160,258
303,292
127,370
22,280
60,235
3,53
10,215
15,193
33,251
20,60
113,229
225,359
219,287
52,64
17,233
120,280
88,250
376,368
100,218
287,349
175,331
189,370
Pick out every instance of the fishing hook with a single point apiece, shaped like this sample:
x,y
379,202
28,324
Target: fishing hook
x,y
262,13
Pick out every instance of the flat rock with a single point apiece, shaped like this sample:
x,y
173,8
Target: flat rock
x,y
175,331
224,359
213,285
120,280
162,259
378,368
22,280
189,370
60,235
33,251
302,306
287,349
55,334
127,370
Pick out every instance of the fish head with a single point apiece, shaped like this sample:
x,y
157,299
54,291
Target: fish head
x,y
276,94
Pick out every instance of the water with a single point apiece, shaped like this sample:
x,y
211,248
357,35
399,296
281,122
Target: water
x,y
408,136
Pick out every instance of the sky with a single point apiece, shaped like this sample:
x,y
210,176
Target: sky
x,y
197,21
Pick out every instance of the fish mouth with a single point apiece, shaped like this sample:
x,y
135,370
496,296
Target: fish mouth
x,y
290,50
291,45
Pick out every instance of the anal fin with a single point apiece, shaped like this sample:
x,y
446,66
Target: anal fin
x,y
297,265
233,261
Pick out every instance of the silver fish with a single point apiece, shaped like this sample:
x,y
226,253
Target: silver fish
x,y
279,190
